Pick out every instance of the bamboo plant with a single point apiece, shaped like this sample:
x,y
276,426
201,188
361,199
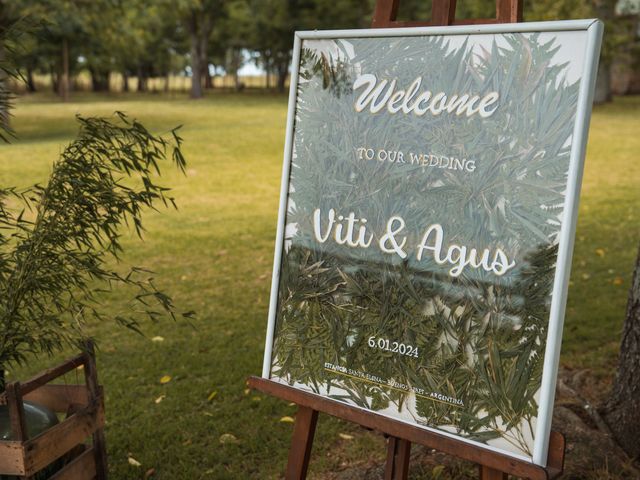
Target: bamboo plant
x,y
60,243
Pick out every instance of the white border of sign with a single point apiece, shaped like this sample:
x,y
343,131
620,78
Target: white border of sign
x,y
594,30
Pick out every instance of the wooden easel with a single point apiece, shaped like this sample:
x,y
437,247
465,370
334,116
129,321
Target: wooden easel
x,y
492,465
443,12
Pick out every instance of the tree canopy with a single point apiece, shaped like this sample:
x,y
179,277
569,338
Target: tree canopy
x,y
196,38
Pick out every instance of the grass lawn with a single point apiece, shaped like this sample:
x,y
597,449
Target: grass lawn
x,y
215,255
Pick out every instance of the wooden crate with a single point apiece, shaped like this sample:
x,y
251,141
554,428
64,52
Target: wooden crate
x,y
84,408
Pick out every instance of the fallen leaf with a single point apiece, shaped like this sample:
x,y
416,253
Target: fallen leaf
x,y
160,398
228,438
133,462
165,379
600,252
256,399
618,281
345,436
150,473
437,471
211,396
586,276
207,414
247,391
287,419
157,339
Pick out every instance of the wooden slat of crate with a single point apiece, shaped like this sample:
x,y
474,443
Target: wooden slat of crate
x,y
59,398
52,373
11,458
40,451
83,467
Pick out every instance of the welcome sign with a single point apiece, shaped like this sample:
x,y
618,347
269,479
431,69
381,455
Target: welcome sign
x,y
426,224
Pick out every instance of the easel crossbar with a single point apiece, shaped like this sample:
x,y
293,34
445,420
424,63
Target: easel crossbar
x,y
414,434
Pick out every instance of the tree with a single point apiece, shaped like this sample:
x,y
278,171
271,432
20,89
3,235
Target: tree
x,y
150,41
617,33
273,36
622,411
103,36
30,58
605,11
7,69
327,14
217,50
232,38
64,30
199,18
276,21
199,29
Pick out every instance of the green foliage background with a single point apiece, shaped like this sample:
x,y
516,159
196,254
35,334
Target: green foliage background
x,y
481,337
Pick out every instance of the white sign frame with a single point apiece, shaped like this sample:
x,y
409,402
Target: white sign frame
x,y
594,29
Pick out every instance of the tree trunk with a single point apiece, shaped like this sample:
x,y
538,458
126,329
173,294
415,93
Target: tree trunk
x,y
142,79
95,82
99,80
54,78
603,83
125,82
204,60
196,57
605,11
4,88
622,411
283,70
167,82
31,84
63,81
212,78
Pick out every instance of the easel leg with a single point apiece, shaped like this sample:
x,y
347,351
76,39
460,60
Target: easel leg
x,y
487,473
301,442
397,467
